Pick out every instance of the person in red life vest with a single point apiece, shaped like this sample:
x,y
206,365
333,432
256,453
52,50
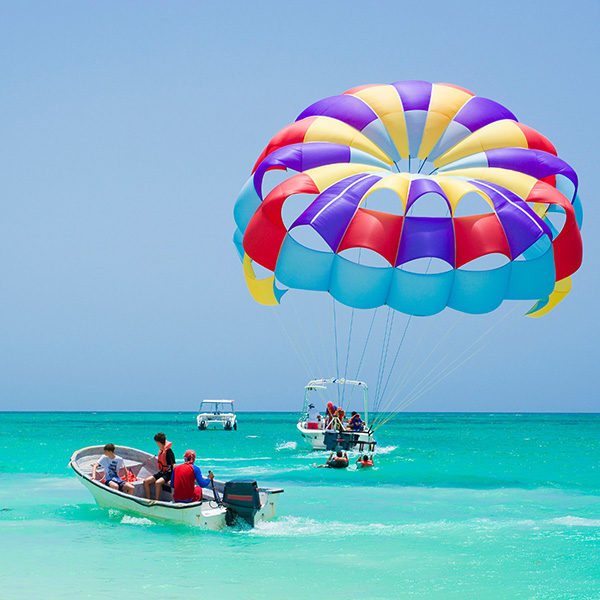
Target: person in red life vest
x,y
331,408
185,477
166,461
364,461
340,415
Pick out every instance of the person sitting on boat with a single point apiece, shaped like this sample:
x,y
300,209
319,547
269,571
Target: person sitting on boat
x,y
112,465
337,461
166,461
340,415
364,461
313,417
185,477
355,423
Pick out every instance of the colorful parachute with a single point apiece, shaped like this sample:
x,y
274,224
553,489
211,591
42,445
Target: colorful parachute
x,y
418,140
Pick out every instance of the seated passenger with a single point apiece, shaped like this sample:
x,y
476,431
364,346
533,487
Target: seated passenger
x,y
355,423
185,477
313,417
166,461
112,465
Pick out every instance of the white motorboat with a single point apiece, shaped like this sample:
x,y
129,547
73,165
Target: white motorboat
x,y
328,432
232,500
216,414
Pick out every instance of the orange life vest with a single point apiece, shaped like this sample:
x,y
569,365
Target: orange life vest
x,y
162,458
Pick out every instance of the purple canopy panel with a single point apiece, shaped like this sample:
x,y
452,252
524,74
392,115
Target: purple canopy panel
x,y
479,112
421,186
427,237
332,210
348,109
300,157
415,95
536,163
521,225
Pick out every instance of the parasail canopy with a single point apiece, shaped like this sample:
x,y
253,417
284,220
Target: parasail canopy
x,y
424,145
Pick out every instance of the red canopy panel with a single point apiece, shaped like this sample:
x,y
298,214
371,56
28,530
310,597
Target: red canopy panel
x,y
292,134
568,247
376,231
478,235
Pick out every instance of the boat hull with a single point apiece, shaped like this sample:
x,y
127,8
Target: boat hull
x,y
224,422
315,438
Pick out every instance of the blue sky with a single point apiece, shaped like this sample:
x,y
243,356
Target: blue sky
x,y
128,129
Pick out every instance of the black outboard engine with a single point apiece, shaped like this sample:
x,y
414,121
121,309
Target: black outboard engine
x,y
227,426
241,498
340,440
202,425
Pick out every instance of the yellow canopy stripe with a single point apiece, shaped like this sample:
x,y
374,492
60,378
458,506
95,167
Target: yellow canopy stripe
x,y
326,129
386,103
261,289
445,102
329,174
516,182
500,134
561,289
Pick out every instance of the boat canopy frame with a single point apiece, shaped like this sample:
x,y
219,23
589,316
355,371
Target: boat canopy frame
x,y
216,404
322,384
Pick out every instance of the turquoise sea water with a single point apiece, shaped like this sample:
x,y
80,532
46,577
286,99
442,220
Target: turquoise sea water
x,y
459,506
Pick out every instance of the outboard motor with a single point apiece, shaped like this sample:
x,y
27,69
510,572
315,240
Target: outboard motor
x,y
202,425
227,426
241,498
340,440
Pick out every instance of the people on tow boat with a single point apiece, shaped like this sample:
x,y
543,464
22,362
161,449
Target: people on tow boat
x,y
112,465
166,462
185,477
355,423
314,418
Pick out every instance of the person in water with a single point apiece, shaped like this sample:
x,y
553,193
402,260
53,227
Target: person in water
x,y
112,465
185,477
337,461
166,461
364,461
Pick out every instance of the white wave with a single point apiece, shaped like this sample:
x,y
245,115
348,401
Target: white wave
x,y
302,526
252,436
232,460
576,522
136,521
287,446
385,449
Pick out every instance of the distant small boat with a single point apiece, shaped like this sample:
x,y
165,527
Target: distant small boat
x,y
216,414
236,499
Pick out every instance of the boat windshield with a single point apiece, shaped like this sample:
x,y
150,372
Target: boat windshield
x,y
217,407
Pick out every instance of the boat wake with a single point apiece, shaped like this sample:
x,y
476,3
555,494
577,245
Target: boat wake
x,y
127,520
576,522
287,446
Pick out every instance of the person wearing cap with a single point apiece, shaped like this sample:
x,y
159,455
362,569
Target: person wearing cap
x,y
185,477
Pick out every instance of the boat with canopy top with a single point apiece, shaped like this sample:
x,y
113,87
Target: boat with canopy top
x,y
331,431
